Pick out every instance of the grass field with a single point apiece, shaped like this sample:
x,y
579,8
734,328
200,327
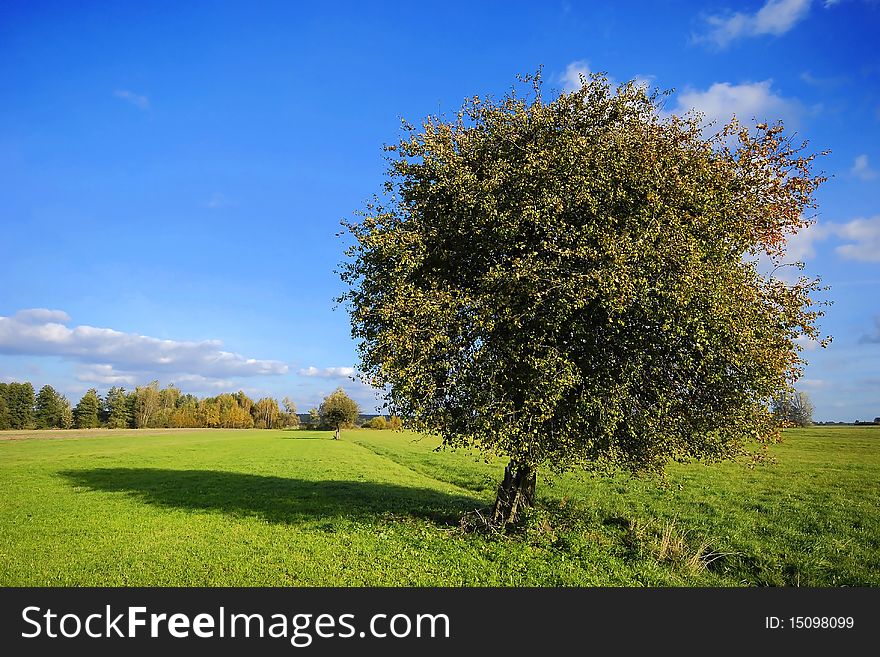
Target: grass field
x,y
282,508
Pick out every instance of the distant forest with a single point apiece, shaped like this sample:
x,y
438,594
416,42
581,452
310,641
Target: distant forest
x,y
144,407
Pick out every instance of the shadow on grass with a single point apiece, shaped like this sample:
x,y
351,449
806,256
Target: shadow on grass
x,y
275,499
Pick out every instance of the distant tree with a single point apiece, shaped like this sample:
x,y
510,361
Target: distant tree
x,y
4,412
86,412
378,422
266,414
168,398
793,408
573,282
116,410
209,413
233,416
244,402
186,414
338,410
131,404
314,418
47,409
395,423
65,414
20,400
290,419
146,404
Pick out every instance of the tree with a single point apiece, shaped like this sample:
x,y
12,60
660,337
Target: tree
x,y
244,402
85,413
47,409
233,416
266,413
314,418
574,283
290,419
146,404
378,422
65,415
793,408
338,410
116,410
5,422
20,404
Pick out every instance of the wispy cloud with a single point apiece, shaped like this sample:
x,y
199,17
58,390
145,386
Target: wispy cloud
x,y
860,237
580,69
863,237
141,102
828,82
802,245
106,375
806,343
217,201
328,372
41,332
749,100
775,17
574,72
872,338
862,170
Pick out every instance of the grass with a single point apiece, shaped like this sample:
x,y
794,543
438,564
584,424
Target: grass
x,y
281,508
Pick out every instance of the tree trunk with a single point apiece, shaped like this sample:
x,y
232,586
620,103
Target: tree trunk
x,y
517,491
336,434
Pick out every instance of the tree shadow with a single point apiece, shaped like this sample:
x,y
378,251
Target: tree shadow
x,y
275,499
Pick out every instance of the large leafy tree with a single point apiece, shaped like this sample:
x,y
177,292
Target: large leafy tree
x,y
574,283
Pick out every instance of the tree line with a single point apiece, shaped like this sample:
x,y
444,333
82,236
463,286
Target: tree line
x,y
146,406
151,407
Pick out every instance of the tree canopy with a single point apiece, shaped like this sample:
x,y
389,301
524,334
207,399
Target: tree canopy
x,y
574,283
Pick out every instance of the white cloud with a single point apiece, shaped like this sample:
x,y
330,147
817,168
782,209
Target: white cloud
x,y
806,343
328,372
199,382
863,236
861,168
801,245
104,374
141,102
775,17
861,239
40,332
750,100
41,316
571,79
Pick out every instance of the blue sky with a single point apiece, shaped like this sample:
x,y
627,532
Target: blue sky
x,y
174,174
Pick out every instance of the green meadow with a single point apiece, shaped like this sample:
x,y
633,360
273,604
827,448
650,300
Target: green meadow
x,y
383,508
